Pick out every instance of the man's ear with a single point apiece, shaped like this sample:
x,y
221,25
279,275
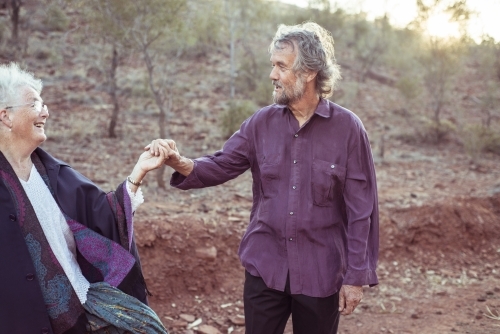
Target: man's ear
x,y
310,76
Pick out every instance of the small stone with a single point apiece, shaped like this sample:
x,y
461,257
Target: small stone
x,y
238,320
481,299
207,329
209,253
479,316
219,321
187,317
414,316
179,323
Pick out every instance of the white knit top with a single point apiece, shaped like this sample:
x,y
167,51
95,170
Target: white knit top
x,y
57,231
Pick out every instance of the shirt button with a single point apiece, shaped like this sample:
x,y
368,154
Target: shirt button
x,y
45,330
30,277
296,135
291,213
295,161
332,166
12,217
294,187
291,239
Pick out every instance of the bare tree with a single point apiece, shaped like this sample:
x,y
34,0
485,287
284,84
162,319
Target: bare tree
x,y
14,7
154,21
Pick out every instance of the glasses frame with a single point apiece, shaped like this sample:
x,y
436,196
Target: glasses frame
x,y
43,106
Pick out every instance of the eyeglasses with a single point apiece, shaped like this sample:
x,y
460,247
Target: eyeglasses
x,y
37,105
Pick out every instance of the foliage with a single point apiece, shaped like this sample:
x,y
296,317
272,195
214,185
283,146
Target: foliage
x,y
370,43
235,113
477,139
441,62
56,19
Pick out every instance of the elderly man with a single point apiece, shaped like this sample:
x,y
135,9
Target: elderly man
x,y
312,241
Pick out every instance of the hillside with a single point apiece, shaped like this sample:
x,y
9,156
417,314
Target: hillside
x,y
440,204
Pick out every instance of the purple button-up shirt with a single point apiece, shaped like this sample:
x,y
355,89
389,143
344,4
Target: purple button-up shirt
x,y
315,208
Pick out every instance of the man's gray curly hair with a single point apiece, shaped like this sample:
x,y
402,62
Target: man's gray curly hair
x,y
315,53
12,78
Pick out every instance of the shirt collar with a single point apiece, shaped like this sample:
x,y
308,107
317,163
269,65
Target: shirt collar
x,y
323,109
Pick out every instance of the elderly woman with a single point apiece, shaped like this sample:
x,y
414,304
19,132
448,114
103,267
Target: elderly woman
x,y
68,260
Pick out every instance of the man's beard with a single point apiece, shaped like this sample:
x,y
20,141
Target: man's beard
x,y
289,94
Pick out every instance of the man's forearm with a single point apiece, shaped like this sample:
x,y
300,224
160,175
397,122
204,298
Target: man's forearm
x,y
183,165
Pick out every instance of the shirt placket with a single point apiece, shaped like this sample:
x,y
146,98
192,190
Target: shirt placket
x,y
294,211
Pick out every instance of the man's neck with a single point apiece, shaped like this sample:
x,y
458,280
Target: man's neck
x,y
304,108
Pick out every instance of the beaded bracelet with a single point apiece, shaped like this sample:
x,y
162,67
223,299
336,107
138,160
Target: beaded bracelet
x,y
133,182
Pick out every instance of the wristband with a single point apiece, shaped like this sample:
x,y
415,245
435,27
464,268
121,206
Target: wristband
x,y
134,182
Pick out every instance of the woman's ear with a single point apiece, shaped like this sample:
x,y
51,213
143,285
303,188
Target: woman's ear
x,y
5,118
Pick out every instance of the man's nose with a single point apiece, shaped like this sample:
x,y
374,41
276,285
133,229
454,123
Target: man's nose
x,y
274,74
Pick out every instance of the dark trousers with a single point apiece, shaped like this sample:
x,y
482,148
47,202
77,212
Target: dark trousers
x,y
267,310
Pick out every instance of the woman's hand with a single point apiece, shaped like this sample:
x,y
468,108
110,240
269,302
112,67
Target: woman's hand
x,y
147,162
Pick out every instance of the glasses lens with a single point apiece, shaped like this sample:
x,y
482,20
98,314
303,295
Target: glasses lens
x,y
38,106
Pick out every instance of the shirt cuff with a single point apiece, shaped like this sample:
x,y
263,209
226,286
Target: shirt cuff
x,y
136,199
360,277
191,181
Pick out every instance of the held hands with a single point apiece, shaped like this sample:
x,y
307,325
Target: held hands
x,y
172,156
349,298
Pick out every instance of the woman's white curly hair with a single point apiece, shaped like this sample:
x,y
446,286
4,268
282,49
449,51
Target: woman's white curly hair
x,y
12,78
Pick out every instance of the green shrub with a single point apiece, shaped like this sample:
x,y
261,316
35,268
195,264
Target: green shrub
x,y
56,19
477,139
236,112
436,132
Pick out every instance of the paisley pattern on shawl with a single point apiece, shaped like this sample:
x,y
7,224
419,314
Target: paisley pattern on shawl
x,y
57,291
108,257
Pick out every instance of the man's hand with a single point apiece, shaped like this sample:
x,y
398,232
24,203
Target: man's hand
x,y
172,153
349,298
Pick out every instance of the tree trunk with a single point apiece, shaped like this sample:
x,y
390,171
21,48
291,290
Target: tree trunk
x,y
113,94
14,18
159,99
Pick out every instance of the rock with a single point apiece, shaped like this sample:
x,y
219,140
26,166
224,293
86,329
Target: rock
x,y
238,320
179,323
187,317
207,329
209,253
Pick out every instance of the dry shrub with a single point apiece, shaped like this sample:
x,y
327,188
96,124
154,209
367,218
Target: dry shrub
x,y
56,19
477,139
236,112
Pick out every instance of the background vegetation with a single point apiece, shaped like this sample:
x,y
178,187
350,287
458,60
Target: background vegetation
x,y
135,55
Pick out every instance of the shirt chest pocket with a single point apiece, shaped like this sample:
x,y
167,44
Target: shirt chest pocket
x,y
327,182
269,179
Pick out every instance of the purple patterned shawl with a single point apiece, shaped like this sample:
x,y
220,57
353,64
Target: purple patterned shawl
x,y
97,254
